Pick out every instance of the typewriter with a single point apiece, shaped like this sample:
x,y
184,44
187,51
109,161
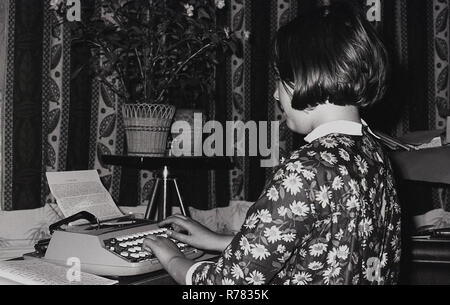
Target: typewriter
x,y
110,248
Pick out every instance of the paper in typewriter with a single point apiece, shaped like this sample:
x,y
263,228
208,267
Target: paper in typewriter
x,y
38,272
78,191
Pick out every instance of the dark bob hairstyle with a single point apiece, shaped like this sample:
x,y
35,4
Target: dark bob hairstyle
x,y
332,54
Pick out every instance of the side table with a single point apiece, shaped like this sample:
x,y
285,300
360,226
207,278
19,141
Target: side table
x,y
164,165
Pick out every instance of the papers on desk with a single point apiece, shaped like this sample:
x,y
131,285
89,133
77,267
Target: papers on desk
x,y
423,139
38,272
415,140
78,191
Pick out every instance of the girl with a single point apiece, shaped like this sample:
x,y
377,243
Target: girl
x,y
330,213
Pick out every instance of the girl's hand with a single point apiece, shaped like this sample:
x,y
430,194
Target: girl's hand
x,y
163,248
197,235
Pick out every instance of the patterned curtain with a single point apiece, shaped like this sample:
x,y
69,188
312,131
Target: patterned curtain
x,y
51,122
417,34
4,9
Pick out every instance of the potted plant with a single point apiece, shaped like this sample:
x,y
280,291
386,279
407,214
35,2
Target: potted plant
x,y
152,54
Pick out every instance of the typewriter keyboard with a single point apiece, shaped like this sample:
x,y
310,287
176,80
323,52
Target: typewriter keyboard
x,y
130,247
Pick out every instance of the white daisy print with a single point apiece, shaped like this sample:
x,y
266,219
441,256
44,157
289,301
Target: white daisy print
x,y
205,271
314,266
332,257
285,257
220,4
354,186
309,175
299,208
337,183
279,174
293,184
273,194
344,154
272,234
323,196
343,170
237,272
289,237
312,209
294,155
227,281
238,254
335,217
351,225
342,252
302,278
219,264
251,221
372,194
282,211
302,253
328,142
365,227
265,216
362,165
384,258
281,249
339,235
245,245
328,157
305,238
331,272
346,141
295,167
364,184
335,272
256,278
353,203
317,249
259,252
311,153
227,253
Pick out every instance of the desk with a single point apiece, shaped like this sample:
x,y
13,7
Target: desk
x,y
160,277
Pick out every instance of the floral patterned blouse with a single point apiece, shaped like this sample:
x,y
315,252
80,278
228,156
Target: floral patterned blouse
x,y
329,215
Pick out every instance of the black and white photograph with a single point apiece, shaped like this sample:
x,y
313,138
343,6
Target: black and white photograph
x,y
241,145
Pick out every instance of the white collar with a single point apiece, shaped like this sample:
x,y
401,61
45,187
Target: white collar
x,y
340,126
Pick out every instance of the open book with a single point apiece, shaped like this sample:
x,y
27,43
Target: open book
x,y
78,191
38,272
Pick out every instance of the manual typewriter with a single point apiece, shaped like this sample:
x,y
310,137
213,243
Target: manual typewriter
x,y
109,248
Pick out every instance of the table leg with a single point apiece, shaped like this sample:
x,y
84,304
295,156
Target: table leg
x,y
151,200
183,210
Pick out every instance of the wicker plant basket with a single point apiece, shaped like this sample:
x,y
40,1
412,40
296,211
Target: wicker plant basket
x,y
147,127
